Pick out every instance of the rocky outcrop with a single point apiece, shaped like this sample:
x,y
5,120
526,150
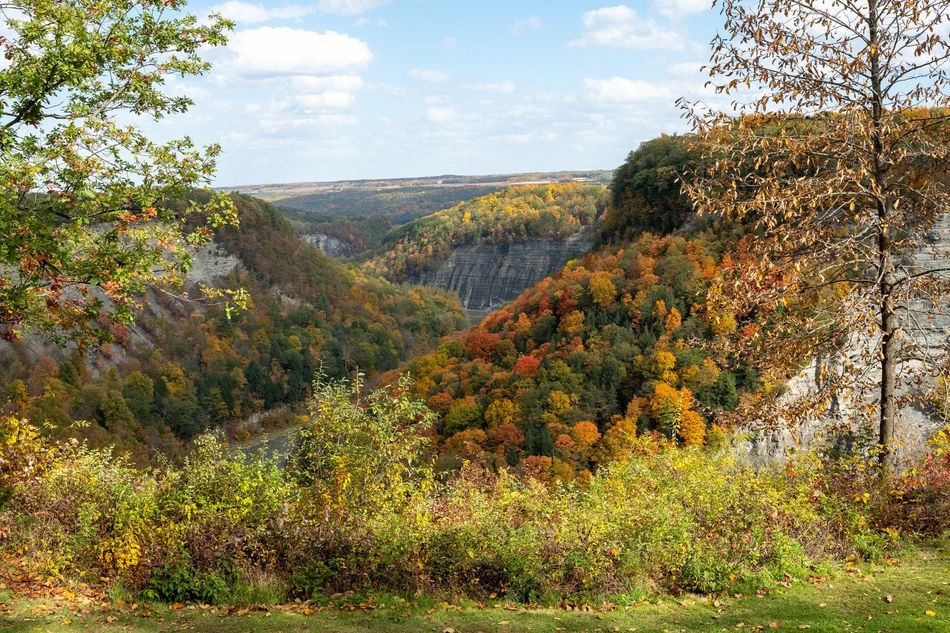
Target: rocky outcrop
x,y
329,245
486,276
840,430
928,327
210,264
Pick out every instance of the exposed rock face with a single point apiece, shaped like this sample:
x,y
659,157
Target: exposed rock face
x,y
210,264
486,276
332,246
917,421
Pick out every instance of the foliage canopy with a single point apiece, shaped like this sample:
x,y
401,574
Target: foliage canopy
x,y
84,227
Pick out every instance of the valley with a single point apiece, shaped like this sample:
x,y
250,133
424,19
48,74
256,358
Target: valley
x,y
708,389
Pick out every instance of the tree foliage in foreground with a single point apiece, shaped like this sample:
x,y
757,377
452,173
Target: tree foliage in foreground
x,y
83,224
836,153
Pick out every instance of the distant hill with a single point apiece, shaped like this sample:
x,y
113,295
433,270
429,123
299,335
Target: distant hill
x,y
398,204
289,194
489,249
348,218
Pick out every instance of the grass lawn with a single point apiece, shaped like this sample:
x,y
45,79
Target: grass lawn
x,y
911,594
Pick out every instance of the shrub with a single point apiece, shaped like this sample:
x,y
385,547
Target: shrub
x,y
360,453
360,509
184,583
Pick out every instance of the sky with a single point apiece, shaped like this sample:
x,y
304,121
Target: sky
x,y
347,89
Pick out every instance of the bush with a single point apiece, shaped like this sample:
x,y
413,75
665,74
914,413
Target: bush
x,y
177,531
184,583
362,510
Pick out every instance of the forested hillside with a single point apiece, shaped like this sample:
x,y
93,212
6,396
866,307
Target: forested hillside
x,y
398,204
645,192
187,367
562,379
515,215
620,343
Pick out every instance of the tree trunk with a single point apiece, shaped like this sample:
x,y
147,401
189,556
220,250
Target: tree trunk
x,y
889,350
886,282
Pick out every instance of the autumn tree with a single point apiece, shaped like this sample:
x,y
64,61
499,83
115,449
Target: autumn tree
x,y
834,155
361,451
84,213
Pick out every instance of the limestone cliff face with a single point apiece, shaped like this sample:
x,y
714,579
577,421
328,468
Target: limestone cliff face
x,y
486,276
211,264
928,328
332,246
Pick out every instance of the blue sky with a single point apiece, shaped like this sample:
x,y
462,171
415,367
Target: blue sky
x,y
340,89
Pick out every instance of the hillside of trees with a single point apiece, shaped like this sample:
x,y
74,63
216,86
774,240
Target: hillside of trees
x,y
613,346
621,343
187,367
561,379
645,191
518,214
398,204
784,269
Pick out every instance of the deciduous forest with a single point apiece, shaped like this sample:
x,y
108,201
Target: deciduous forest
x,y
730,411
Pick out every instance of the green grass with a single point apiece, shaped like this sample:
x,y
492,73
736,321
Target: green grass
x,y
851,600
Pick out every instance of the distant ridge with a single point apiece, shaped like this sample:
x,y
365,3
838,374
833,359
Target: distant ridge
x,y
280,191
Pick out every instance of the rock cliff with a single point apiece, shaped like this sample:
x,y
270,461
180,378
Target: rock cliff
x,y
486,276
928,327
329,245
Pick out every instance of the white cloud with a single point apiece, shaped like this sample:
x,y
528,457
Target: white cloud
x,y
622,27
336,119
340,83
504,87
675,9
687,69
449,42
349,7
325,100
279,51
441,115
432,76
544,136
245,12
521,27
620,90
